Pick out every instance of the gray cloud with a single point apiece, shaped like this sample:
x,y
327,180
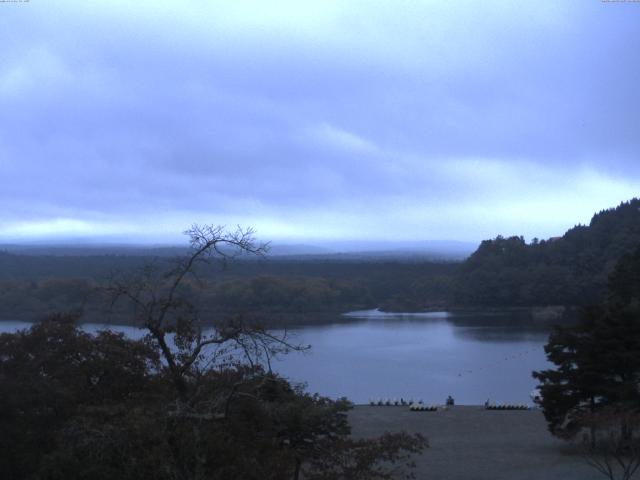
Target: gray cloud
x,y
316,119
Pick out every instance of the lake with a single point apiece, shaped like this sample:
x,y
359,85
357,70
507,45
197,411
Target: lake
x,y
472,356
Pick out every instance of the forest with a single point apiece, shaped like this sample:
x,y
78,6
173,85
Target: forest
x,y
571,270
568,270
150,409
279,290
180,403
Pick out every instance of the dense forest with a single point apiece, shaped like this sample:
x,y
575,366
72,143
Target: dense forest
x,y
571,270
568,270
597,363
277,290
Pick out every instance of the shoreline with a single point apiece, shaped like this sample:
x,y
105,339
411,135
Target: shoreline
x,y
542,316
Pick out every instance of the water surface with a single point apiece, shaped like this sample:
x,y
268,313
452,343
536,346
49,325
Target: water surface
x,y
427,356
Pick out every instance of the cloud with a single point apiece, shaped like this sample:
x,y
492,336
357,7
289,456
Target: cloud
x,y
335,137
323,119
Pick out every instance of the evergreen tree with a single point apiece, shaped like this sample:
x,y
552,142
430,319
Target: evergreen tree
x,y
567,270
571,390
598,361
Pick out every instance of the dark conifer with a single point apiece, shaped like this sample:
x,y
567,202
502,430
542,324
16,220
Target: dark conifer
x,y
597,361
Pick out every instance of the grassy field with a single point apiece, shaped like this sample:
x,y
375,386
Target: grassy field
x,y
471,443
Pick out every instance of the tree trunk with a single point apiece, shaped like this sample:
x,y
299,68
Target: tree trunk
x,y
592,428
296,473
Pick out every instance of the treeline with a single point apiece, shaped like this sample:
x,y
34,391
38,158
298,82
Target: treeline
x,y
179,403
571,270
275,291
593,388
568,270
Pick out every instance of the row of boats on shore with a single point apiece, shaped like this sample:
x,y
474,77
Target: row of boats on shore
x,y
388,402
536,397
419,406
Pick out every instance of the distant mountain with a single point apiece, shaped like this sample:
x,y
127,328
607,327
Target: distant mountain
x,y
90,249
282,249
568,270
366,250
335,250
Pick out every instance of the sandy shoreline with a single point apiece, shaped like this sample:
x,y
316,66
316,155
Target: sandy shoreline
x,y
469,442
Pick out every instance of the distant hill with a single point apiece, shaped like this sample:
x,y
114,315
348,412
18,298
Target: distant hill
x,y
93,250
568,270
333,250
435,249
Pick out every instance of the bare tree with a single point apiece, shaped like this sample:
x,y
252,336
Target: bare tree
x,y
221,375
189,344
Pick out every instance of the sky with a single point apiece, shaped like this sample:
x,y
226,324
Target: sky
x,y
316,120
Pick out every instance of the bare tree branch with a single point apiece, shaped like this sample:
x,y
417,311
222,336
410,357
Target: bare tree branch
x,y
173,322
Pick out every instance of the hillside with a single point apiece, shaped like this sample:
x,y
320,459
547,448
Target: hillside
x,y
570,270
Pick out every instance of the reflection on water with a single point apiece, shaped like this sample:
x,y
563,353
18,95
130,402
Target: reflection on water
x,y
502,334
481,326
426,356
380,315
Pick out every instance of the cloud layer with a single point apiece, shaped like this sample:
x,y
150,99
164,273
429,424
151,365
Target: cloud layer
x,y
327,119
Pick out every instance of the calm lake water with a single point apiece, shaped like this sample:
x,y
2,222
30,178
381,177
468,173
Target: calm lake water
x,y
425,356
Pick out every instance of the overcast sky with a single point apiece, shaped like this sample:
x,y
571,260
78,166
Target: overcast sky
x,y
316,119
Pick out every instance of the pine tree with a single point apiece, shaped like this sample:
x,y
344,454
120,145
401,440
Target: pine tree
x,y
598,360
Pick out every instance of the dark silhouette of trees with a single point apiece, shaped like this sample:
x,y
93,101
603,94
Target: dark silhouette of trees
x,y
280,290
597,361
186,402
568,270
615,450
54,374
161,306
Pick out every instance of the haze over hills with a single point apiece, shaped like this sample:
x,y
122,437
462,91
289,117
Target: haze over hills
x,y
335,277
348,250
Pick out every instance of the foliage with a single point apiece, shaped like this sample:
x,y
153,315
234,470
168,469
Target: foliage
x,y
615,453
186,402
280,291
567,270
598,361
506,271
54,372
